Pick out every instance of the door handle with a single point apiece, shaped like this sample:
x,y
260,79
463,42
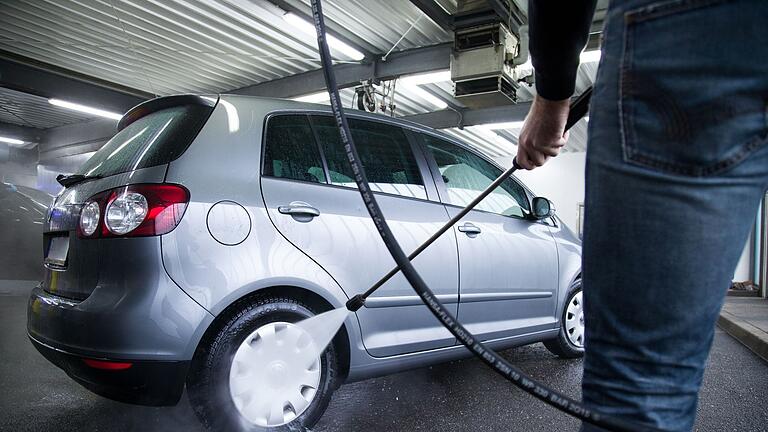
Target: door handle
x,y
299,208
470,229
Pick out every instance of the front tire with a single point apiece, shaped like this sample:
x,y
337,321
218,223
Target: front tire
x,y
259,321
570,340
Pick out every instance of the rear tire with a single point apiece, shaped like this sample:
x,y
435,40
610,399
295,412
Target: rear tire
x,y
569,343
208,382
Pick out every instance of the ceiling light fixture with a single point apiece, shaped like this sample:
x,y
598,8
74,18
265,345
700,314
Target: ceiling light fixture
x,y
504,125
414,90
427,78
13,141
319,97
85,109
335,44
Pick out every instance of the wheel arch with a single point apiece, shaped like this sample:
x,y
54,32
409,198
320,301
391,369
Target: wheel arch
x,y
319,303
563,298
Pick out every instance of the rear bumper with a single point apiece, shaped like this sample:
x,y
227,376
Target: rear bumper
x,y
136,314
153,383
134,311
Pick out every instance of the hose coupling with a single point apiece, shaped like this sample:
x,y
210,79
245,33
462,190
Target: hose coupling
x,y
355,303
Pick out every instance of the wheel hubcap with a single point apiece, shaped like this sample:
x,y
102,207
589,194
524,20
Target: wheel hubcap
x,y
269,382
574,321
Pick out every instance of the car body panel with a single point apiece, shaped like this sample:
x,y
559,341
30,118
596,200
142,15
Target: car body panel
x,y
216,275
344,241
568,258
135,312
85,261
509,276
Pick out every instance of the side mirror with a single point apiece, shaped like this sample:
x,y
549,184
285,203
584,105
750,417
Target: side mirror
x,y
542,208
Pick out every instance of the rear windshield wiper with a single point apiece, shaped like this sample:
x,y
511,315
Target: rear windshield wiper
x,y
69,180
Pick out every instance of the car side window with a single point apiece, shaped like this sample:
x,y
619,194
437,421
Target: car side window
x,y
466,174
291,151
384,150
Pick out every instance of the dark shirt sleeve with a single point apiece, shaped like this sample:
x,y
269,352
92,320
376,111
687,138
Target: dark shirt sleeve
x,y
558,32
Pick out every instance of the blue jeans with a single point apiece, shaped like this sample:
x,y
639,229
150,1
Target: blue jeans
x,y
677,164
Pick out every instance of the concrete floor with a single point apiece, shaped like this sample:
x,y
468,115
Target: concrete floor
x,y
457,396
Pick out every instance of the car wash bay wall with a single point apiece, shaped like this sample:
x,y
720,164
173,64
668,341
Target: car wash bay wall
x,y
562,181
28,178
18,165
65,148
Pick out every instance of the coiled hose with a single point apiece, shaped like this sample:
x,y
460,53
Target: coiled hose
x,y
487,355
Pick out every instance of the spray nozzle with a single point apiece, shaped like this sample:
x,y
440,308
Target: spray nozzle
x,y
355,303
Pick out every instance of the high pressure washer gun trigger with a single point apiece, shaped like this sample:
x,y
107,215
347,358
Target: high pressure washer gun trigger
x,y
578,109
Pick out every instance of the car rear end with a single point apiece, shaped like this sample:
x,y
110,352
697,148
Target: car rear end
x,y
107,312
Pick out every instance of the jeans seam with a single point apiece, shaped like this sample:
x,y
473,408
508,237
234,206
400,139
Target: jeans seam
x,y
622,72
664,8
635,156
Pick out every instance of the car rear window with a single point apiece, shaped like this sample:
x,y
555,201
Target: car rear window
x,y
155,139
291,151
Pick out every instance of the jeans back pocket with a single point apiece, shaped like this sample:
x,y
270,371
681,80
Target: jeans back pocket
x,y
693,90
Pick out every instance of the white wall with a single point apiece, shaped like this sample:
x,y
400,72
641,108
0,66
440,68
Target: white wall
x,y
744,267
561,180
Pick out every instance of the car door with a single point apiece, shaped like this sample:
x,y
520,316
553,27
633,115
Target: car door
x,y
507,261
312,199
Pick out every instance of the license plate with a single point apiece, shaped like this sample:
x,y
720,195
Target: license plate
x,y
57,251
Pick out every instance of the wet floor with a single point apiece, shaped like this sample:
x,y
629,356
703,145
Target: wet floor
x,y
456,396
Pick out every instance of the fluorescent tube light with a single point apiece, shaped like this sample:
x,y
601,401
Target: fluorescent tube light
x,y
319,97
420,93
85,109
13,141
427,78
333,43
505,125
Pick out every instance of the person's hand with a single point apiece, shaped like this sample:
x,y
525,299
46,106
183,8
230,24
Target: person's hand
x,y
543,134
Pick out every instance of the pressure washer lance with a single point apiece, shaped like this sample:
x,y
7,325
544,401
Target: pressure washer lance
x,y
578,109
487,355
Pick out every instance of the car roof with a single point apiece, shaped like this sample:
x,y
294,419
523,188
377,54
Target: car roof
x,y
287,104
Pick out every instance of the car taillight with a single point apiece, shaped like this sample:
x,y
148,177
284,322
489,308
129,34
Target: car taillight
x,y
134,211
89,218
125,212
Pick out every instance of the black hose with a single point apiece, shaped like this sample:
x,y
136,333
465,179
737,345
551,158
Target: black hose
x,y
578,109
487,355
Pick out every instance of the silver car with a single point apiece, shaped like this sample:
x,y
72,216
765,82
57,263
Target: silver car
x,y
183,252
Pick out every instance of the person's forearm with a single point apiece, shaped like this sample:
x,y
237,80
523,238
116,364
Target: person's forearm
x,y
558,33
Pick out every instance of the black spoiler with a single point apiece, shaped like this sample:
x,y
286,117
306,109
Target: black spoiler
x,y
164,102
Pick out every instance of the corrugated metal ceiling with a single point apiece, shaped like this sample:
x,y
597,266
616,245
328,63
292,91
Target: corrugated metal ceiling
x,y
382,23
28,110
178,46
